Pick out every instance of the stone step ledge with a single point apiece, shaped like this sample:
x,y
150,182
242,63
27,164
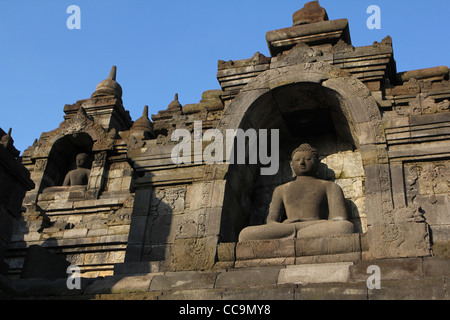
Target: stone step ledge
x,y
328,249
421,278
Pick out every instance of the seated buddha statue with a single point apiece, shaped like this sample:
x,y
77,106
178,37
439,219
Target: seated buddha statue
x,y
305,207
80,175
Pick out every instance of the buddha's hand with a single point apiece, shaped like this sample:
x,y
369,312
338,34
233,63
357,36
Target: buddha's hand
x,y
291,221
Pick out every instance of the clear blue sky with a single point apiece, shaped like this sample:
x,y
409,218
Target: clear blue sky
x,y
168,46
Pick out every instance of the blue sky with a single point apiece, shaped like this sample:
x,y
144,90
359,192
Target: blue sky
x,y
168,46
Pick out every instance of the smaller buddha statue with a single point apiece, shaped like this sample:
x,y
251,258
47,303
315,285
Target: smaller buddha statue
x,y
305,207
80,175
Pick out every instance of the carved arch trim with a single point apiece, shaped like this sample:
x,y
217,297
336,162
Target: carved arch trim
x,y
80,123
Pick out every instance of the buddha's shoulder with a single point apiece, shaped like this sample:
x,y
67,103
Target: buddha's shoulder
x,y
281,188
318,183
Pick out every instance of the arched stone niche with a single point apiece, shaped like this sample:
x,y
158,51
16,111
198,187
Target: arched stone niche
x,y
306,105
304,112
327,107
55,152
62,157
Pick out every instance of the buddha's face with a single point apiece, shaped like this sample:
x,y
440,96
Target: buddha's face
x,y
304,163
81,160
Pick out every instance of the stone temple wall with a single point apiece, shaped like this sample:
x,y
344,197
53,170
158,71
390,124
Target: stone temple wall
x,y
86,225
14,183
382,136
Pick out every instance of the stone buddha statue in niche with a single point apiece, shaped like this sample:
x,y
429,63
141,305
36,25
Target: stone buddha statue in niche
x,y
80,175
305,207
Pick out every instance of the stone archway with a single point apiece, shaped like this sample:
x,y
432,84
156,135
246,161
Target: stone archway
x,y
93,139
270,102
62,156
358,105
359,111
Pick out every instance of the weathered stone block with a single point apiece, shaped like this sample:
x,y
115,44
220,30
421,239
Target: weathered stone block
x,y
345,165
264,262
75,233
193,196
209,222
317,273
193,254
183,281
114,184
312,12
119,229
97,232
226,251
406,239
32,236
329,258
197,294
264,249
335,291
248,277
322,32
425,289
260,294
120,285
441,248
436,267
328,245
391,269
123,238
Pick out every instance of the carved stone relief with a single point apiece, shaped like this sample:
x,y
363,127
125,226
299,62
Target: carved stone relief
x,y
103,140
40,164
424,104
168,201
404,234
428,186
167,207
427,179
193,254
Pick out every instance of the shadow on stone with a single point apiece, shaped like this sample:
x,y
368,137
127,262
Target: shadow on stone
x,y
40,263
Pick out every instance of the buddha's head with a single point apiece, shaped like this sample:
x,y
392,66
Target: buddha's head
x,y
305,160
82,160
